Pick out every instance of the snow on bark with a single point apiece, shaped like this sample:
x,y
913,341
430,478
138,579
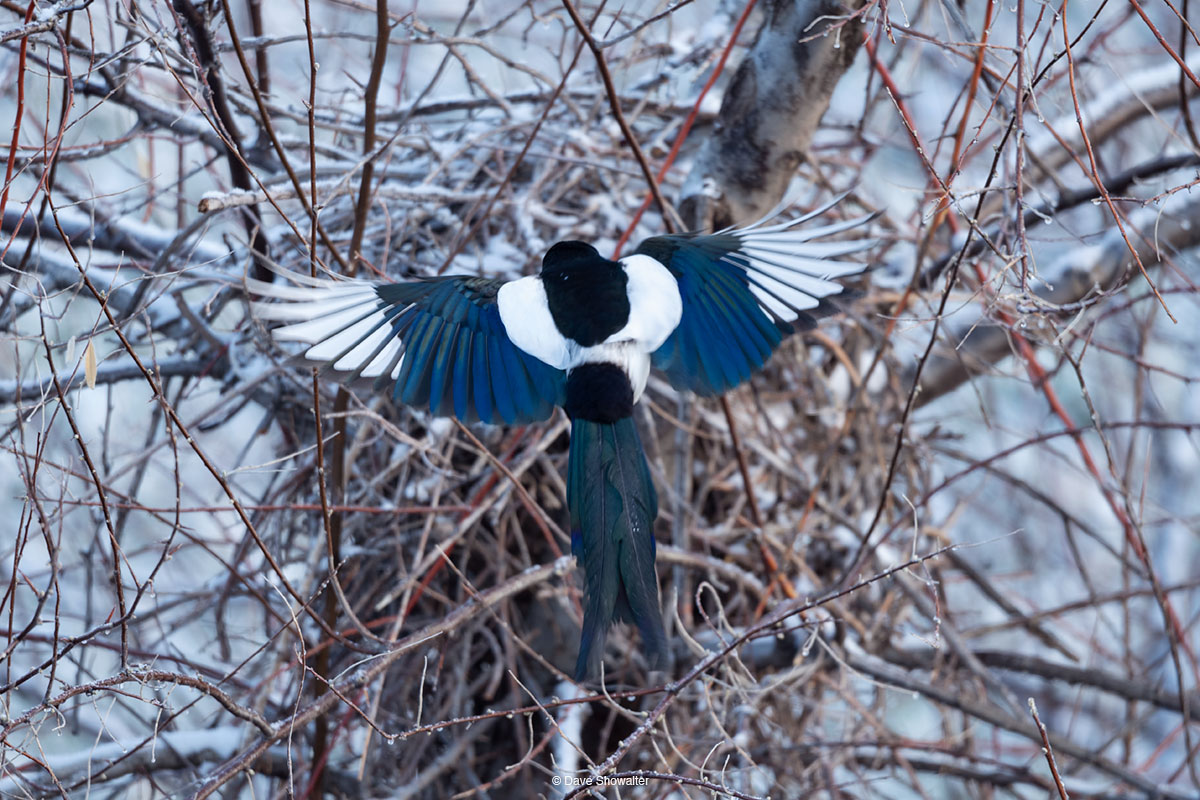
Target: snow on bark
x,y
1083,273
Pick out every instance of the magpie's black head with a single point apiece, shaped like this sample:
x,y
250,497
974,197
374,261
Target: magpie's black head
x,y
586,292
571,255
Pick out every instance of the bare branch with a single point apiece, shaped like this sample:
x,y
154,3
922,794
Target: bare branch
x,y
1093,271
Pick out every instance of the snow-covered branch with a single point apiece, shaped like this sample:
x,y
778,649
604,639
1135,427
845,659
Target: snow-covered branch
x,y
975,342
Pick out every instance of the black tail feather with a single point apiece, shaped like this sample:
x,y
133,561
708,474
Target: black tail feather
x,y
613,508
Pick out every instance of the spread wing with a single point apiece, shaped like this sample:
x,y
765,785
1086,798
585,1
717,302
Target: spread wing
x,y
440,342
744,290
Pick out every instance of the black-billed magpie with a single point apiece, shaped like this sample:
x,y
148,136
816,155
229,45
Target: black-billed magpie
x,y
707,310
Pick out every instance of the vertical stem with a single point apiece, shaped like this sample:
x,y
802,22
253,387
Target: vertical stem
x,y
332,521
1019,177
683,491
1186,110
20,112
261,66
382,29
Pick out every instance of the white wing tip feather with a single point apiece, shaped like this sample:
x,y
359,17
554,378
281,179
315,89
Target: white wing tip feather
x,y
340,321
793,272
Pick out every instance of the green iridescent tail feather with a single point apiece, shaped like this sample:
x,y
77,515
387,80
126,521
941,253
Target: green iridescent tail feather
x,y
613,507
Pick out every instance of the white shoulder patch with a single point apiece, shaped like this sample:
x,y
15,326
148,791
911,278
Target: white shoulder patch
x,y
527,321
655,306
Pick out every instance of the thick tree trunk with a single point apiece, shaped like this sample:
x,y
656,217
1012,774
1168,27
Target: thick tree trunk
x,y
771,111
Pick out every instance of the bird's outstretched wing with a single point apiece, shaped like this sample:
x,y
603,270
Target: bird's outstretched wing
x,y
744,290
440,341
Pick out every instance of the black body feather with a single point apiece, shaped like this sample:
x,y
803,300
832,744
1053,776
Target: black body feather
x,y
586,293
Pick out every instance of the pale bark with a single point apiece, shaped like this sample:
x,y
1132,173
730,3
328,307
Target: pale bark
x,y
771,110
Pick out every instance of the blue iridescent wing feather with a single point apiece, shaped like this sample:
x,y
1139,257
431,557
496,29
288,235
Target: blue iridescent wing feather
x,y
460,359
439,342
743,292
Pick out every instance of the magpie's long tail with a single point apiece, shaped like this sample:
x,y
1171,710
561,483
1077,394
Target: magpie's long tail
x,y
613,507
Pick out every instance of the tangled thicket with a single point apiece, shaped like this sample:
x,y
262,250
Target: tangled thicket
x,y
973,488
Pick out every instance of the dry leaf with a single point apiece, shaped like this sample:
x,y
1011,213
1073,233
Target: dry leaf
x,y
89,365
